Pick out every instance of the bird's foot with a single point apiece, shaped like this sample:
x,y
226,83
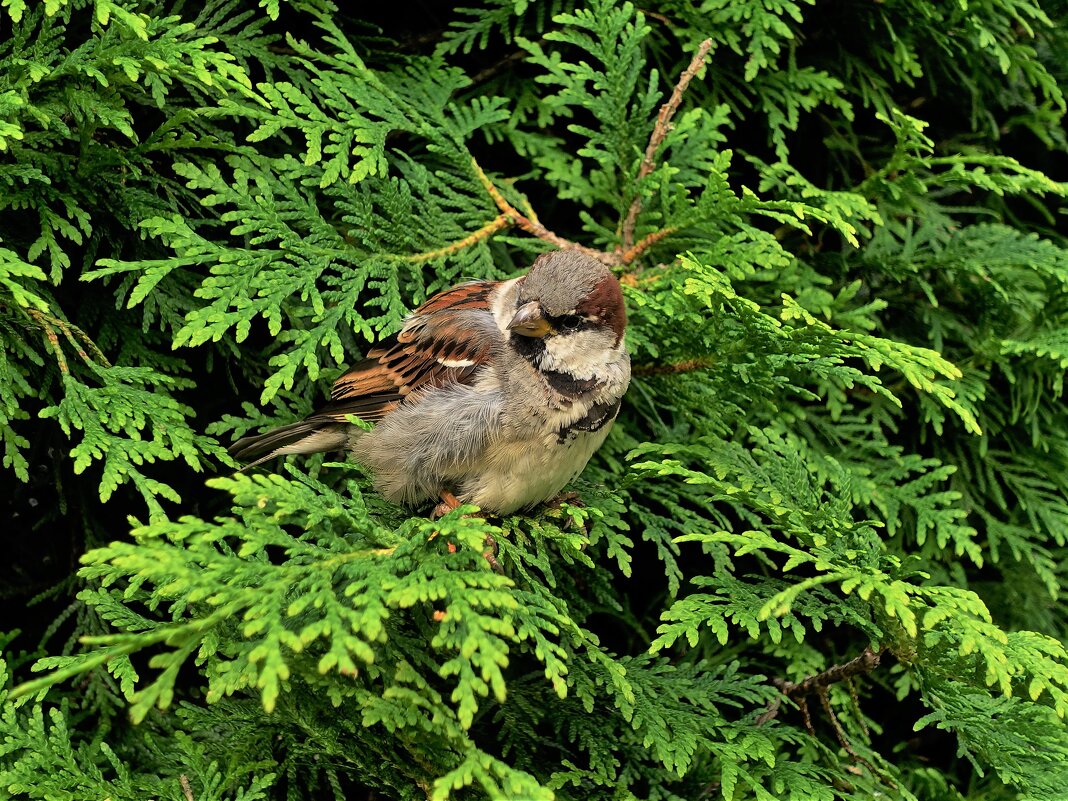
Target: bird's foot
x,y
449,502
555,507
570,498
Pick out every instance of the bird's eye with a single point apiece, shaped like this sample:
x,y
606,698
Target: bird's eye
x,y
569,322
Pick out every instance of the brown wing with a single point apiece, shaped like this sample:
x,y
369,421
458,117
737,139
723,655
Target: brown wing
x,y
445,341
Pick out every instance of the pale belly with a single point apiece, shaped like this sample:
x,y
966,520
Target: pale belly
x,y
523,474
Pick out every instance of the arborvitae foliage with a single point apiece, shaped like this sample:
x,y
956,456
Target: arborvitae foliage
x,y
822,554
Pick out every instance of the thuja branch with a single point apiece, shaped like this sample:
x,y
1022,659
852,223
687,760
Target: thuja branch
x,y
52,337
49,323
120,645
685,366
499,223
660,132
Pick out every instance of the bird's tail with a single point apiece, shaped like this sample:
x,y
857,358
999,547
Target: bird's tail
x,y
303,437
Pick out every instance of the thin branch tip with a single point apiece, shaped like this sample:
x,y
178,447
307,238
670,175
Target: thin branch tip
x,y
535,228
660,132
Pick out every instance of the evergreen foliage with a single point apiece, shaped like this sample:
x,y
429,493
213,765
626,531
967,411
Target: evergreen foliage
x,y
825,544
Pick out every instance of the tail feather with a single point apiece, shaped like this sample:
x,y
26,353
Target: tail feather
x,y
303,437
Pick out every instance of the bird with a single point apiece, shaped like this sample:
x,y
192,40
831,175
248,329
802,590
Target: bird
x,y
493,393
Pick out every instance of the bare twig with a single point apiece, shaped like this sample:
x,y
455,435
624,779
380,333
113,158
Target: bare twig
x,y
500,66
843,738
631,253
852,687
771,712
818,684
660,131
629,250
497,67
662,18
806,718
865,663
536,228
187,791
839,732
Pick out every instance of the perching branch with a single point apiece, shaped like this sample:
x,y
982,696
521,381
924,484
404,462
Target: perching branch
x,y
660,132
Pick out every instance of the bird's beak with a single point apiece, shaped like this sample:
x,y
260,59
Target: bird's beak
x,y
530,321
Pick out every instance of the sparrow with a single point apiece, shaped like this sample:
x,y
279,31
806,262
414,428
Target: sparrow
x,y
493,393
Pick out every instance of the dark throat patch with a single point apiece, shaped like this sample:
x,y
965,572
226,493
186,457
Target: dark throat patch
x,y
533,350
599,415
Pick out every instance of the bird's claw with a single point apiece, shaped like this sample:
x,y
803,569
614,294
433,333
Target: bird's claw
x,y
570,498
449,502
555,507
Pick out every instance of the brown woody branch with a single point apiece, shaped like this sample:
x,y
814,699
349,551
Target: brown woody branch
x,y
633,252
818,685
865,663
661,18
529,223
629,250
660,132
500,66
536,228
